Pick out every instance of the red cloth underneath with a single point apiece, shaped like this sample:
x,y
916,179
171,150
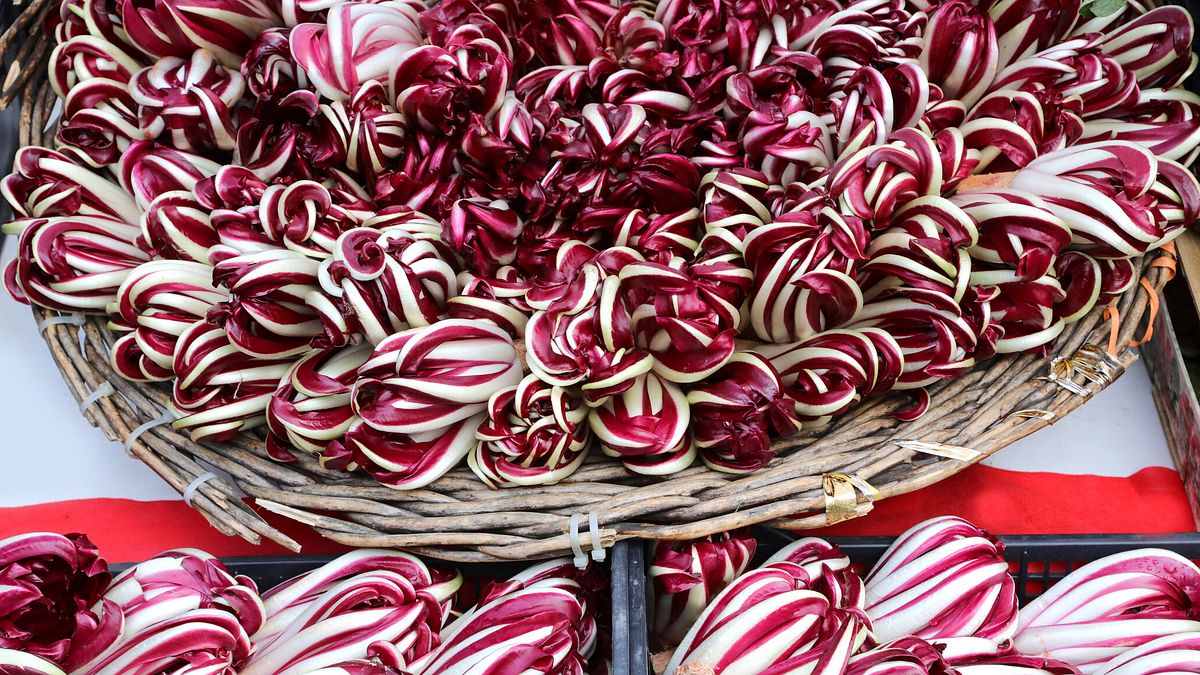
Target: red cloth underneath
x,y
1018,502
1001,501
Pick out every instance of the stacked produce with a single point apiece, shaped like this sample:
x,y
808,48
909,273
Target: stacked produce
x,y
334,218
940,601
368,612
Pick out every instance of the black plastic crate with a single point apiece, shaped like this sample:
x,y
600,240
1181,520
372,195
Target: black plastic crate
x,y
1037,561
626,577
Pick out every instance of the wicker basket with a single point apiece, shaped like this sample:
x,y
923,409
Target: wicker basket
x,y
818,478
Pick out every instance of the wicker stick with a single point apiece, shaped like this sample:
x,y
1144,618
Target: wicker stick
x,y
458,518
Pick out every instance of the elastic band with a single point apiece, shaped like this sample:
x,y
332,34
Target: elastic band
x,y
165,418
1114,327
1153,297
74,319
105,389
581,559
1167,261
190,490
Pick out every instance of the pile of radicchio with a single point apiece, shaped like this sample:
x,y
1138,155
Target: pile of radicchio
x,y
712,223
367,612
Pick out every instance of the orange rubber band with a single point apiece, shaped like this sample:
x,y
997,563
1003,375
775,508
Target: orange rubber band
x,y
1153,297
1113,315
1168,261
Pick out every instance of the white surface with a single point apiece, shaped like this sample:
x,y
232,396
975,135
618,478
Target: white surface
x,y
1117,433
53,454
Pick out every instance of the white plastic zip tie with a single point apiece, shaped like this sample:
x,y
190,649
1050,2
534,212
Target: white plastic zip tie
x,y
55,114
598,552
165,418
105,389
190,490
74,319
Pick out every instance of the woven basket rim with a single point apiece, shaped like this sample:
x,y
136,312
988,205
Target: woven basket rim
x,y
459,518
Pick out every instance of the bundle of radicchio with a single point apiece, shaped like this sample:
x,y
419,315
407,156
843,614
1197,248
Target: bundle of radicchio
x,y
942,579
687,575
540,621
361,603
801,611
885,192
1109,606
48,583
179,610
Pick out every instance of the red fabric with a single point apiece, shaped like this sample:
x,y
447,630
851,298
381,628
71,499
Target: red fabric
x,y
1003,502
1019,502
128,531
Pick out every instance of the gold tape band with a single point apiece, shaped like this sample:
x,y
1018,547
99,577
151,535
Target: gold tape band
x,y
1035,414
941,450
1092,362
841,497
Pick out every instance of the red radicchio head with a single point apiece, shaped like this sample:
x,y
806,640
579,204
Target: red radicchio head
x,y
961,53
148,169
484,233
49,584
71,263
179,27
266,316
689,331
581,333
85,58
686,575
646,426
358,41
191,100
100,120
311,407
534,434
367,131
804,267
381,282
831,371
219,390
46,183
158,302
280,137
439,88
738,412
268,67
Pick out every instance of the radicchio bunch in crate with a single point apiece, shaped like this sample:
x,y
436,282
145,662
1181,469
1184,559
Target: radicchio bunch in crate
x,y
686,575
940,601
706,225
49,584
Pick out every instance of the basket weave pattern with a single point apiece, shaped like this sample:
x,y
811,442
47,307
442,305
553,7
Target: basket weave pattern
x,y
459,518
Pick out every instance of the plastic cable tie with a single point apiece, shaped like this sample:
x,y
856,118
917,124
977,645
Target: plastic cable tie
x,y
83,342
105,389
73,319
55,114
581,558
598,552
190,490
165,418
